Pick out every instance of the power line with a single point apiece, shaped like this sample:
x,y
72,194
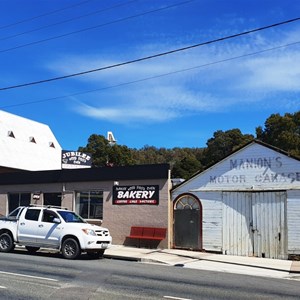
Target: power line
x,y
94,27
153,77
150,56
43,15
67,21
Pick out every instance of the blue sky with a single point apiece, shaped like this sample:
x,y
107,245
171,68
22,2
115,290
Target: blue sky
x,y
176,100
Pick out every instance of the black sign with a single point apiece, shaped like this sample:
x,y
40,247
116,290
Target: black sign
x,y
76,159
136,194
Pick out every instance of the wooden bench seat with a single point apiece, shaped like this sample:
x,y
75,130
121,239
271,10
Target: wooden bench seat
x,y
147,233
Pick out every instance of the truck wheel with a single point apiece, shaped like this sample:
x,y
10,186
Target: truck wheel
x,y
70,249
96,254
6,242
32,250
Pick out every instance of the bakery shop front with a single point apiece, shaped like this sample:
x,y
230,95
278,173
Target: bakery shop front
x,y
117,197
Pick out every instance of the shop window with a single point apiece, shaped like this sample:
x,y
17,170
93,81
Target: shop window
x,y
89,205
18,199
53,199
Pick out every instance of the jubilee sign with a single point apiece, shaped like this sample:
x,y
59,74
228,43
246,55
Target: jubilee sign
x,y
136,194
76,159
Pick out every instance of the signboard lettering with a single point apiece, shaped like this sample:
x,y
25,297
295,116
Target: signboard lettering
x,y
256,163
256,170
136,194
76,159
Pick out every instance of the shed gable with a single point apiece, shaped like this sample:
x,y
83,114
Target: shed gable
x,y
253,167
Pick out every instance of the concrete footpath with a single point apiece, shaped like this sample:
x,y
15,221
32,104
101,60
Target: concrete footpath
x,y
207,261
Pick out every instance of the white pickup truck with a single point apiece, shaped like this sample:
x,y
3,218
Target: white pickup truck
x,y
51,227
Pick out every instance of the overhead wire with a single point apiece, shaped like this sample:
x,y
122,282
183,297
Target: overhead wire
x,y
151,56
96,26
43,15
68,20
152,77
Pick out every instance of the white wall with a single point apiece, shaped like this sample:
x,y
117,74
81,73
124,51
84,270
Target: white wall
x,y
293,221
19,152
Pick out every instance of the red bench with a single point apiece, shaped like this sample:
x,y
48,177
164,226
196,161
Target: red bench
x,y
147,233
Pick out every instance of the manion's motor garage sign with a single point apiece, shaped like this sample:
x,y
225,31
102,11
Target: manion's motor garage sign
x,y
136,194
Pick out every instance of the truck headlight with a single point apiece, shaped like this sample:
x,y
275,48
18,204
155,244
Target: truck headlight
x,y
89,232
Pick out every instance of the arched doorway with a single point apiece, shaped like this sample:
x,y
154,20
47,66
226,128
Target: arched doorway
x,y
188,222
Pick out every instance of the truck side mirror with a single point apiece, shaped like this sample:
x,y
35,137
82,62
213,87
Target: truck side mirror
x,y
56,220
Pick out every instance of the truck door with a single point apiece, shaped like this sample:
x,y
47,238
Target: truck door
x,y
48,233
28,226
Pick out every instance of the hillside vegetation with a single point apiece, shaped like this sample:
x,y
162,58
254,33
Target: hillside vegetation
x,y
282,132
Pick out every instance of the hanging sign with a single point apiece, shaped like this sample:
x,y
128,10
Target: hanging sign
x,y
76,159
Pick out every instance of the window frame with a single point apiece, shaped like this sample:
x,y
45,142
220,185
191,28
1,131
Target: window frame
x,y
30,211
96,214
50,212
52,199
20,196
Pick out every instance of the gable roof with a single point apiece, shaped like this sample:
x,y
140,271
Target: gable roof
x,y
27,145
249,144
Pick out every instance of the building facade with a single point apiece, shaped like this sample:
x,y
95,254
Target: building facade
x,y
247,204
118,197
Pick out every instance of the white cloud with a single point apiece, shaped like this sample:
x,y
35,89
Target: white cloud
x,y
127,115
211,87
277,73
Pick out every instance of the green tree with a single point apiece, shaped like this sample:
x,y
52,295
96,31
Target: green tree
x,y
183,161
98,146
104,154
224,143
119,155
282,132
186,167
149,155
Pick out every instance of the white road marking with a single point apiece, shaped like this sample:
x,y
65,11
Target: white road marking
x,y
2,287
176,298
28,276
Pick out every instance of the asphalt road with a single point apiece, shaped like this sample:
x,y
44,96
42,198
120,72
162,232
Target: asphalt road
x,y
49,276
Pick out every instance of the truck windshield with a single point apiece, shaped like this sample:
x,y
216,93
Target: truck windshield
x,y
15,213
70,217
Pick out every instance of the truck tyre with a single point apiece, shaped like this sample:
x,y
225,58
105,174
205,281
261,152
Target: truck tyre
x,y
6,242
70,249
32,250
96,254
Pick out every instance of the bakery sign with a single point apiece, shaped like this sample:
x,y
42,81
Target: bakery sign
x,y
136,194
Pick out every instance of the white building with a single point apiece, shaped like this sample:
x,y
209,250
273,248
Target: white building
x,y
247,204
27,145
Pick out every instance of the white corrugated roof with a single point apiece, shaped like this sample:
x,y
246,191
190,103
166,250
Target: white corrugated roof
x,y
27,144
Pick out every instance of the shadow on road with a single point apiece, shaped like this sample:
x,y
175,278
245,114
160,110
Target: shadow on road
x,y
49,253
